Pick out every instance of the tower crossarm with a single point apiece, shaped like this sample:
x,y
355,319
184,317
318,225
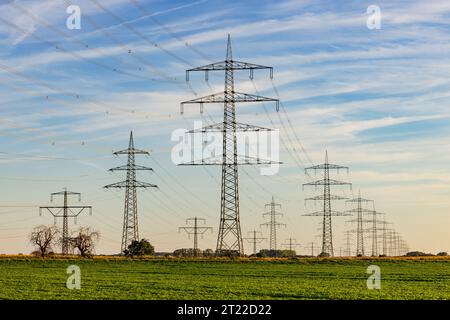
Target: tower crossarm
x,y
326,166
229,64
268,224
218,127
362,210
362,220
332,212
132,167
222,97
218,160
274,213
321,197
359,199
131,151
324,182
127,184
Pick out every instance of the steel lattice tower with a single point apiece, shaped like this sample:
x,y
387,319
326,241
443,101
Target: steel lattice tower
x,y
66,212
374,231
360,211
348,243
326,197
255,239
229,240
312,249
273,224
195,230
130,217
384,234
291,244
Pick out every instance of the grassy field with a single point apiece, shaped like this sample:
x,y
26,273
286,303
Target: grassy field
x,y
32,278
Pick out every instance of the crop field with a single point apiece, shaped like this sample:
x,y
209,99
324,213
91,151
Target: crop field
x,y
101,278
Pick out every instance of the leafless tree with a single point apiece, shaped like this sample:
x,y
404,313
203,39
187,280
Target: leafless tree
x,y
84,239
44,237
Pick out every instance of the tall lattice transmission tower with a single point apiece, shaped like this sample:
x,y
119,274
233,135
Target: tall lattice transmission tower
x,y
229,240
65,211
130,216
359,210
273,224
326,198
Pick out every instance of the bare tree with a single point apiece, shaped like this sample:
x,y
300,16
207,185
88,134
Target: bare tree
x,y
44,237
84,239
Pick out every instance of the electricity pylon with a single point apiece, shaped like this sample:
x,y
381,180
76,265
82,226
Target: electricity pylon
x,y
392,242
65,211
326,197
374,231
291,244
384,234
130,230
255,239
348,243
273,224
229,240
195,230
360,211
312,248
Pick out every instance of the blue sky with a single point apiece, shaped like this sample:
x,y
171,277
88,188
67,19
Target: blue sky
x,y
377,100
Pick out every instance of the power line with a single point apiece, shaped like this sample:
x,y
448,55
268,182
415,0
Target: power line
x,y
168,30
138,33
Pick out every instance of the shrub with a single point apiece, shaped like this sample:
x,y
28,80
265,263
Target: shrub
x,y
140,248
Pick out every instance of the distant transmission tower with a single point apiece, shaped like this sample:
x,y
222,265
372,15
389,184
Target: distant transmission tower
x,y
65,212
273,224
348,243
291,244
326,197
392,239
229,237
374,231
360,211
384,223
195,230
130,218
312,248
255,239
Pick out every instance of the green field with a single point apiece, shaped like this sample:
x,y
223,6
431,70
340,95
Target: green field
x,y
31,278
